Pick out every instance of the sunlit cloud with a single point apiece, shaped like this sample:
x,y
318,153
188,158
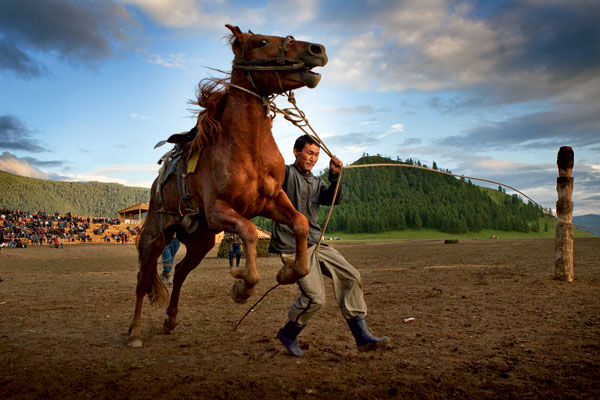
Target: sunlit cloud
x,y
177,13
10,163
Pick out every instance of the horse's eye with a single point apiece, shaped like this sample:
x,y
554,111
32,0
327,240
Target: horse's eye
x,y
263,43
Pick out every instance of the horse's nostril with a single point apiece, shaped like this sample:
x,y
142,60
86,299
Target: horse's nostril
x,y
315,49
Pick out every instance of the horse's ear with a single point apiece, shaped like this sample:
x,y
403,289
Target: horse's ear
x,y
237,39
235,30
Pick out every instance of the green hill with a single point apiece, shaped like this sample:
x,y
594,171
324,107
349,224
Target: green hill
x,y
394,199
375,200
79,198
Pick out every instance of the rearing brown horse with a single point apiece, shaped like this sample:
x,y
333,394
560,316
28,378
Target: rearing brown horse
x,y
238,175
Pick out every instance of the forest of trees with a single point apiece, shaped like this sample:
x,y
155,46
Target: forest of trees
x,y
79,198
392,198
375,200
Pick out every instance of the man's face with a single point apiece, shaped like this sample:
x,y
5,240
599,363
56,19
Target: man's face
x,y
307,158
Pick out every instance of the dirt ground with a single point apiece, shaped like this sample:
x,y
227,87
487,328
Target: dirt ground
x,y
489,322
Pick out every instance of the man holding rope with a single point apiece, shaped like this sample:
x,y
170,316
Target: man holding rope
x,y
307,192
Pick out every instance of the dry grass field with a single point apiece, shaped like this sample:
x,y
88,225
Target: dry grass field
x,y
489,322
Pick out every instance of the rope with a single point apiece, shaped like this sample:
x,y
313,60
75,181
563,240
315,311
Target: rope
x,y
255,304
298,119
467,177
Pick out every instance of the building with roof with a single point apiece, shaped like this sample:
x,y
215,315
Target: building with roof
x,y
135,214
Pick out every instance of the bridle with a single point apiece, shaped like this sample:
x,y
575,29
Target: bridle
x,y
261,64
294,114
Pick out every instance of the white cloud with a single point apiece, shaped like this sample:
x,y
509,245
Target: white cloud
x,y
10,163
120,168
355,149
397,128
212,15
420,45
177,13
137,116
373,122
125,174
170,61
291,13
327,134
351,109
143,183
91,177
489,164
506,55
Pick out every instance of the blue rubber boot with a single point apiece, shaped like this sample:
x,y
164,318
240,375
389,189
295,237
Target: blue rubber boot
x,y
287,336
365,341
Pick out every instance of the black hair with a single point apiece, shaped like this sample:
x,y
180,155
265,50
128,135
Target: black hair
x,y
302,141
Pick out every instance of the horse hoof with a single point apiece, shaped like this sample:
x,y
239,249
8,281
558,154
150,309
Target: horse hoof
x,y
134,341
286,276
238,294
168,326
236,272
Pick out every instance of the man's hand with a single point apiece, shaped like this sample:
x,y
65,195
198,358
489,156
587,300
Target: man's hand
x,y
335,165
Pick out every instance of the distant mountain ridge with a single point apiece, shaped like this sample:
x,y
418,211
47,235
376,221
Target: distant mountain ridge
x,y
592,220
79,198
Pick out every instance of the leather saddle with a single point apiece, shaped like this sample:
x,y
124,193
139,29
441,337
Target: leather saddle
x,y
179,138
173,163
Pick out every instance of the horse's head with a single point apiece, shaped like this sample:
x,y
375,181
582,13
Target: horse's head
x,y
273,64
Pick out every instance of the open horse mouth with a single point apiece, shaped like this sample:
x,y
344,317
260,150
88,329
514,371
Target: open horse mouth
x,y
314,57
311,79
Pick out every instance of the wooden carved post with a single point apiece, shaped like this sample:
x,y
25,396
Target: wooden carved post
x,y
563,247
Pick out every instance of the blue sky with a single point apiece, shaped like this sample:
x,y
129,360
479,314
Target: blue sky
x,y
489,89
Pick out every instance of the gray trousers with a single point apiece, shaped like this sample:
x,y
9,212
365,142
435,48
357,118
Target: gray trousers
x,y
324,260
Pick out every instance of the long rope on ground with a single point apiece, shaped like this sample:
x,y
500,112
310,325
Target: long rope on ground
x,y
298,119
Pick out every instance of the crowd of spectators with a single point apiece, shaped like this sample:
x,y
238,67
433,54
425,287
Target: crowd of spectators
x,y
121,237
21,229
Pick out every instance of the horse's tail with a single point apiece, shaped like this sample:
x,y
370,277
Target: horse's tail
x,y
157,292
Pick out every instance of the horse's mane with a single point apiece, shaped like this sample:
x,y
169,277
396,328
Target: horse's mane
x,y
211,96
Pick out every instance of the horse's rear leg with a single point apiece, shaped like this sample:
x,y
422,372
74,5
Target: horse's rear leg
x,y
222,217
196,247
148,282
283,212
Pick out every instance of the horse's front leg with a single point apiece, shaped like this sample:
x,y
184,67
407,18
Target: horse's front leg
x,y
282,211
220,216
